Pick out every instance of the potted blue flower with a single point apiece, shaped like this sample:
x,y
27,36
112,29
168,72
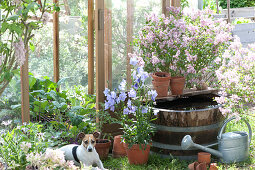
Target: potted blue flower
x,y
134,111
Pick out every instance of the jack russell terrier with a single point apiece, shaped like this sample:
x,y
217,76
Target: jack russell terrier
x,y
85,153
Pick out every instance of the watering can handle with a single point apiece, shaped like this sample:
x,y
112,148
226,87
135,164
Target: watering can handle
x,y
225,123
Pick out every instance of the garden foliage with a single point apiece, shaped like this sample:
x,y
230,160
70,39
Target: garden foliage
x,y
237,79
237,3
182,44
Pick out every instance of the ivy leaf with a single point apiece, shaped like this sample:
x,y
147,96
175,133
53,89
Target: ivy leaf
x,y
13,17
32,47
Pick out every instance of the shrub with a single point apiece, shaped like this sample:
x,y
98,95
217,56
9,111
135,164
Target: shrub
x,y
237,79
237,3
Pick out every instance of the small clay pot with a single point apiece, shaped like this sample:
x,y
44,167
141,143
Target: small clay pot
x,y
193,166
160,76
102,148
177,85
202,166
213,166
161,87
118,148
204,157
137,155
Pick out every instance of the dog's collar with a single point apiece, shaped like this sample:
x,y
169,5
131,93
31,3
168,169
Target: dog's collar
x,y
75,154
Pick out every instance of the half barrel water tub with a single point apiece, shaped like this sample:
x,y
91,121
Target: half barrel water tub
x,y
197,116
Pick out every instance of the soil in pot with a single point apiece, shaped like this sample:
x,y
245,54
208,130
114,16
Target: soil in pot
x,y
102,148
160,76
118,147
177,85
137,155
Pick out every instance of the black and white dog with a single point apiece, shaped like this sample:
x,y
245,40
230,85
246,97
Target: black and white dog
x,y
85,153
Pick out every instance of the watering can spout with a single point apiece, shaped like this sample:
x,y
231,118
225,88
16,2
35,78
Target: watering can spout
x,y
187,143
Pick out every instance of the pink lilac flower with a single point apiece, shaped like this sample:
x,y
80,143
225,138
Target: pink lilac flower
x,y
155,60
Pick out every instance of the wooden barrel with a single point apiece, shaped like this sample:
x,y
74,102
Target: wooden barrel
x,y
172,125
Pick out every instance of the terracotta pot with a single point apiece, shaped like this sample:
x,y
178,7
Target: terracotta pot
x,y
118,147
201,166
136,155
204,157
177,85
160,76
213,166
193,166
102,148
161,87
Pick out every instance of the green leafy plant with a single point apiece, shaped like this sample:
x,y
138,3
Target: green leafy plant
x,y
133,109
15,144
16,32
241,21
237,3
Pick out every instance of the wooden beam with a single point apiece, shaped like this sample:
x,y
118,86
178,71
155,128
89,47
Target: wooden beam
x,y
56,44
90,46
100,75
108,43
176,3
217,5
67,8
165,4
25,115
130,20
228,6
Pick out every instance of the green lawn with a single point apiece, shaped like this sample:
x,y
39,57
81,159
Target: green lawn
x,y
157,163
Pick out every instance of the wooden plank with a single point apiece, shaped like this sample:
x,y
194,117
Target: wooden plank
x,y
130,20
25,115
67,8
189,92
228,6
100,75
165,4
217,5
56,44
108,43
90,46
176,3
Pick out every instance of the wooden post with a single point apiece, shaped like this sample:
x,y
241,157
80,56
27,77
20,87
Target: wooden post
x,y
130,19
108,43
228,6
25,115
67,8
176,3
217,5
165,4
90,46
56,44
99,27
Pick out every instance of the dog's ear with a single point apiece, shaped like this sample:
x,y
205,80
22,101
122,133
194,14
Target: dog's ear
x,y
96,134
81,135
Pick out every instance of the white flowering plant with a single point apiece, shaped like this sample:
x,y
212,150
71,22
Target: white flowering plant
x,y
18,20
182,44
133,108
237,80
15,144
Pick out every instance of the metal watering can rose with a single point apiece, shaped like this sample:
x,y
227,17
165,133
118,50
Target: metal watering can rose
x,y
233,146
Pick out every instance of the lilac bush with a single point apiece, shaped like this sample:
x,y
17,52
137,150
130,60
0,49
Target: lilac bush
x,y
16,32
182,44
133,107
237,79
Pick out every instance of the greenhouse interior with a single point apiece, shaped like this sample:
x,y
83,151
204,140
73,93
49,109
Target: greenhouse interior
x,y
127,84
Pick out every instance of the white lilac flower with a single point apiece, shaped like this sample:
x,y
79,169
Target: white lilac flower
x,y
133,61
25,146
6,123
132,93
122,85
